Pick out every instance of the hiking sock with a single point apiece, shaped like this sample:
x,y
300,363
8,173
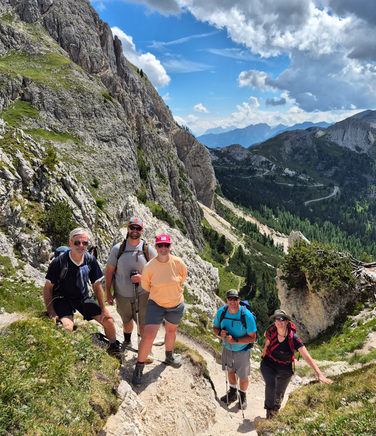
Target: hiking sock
x,y
127,337
232,386
112,341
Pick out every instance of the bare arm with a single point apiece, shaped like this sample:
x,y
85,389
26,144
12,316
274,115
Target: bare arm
x,y
250,338
265,347
47,297
110,271
307,357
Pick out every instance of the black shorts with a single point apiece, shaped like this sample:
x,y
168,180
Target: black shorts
x,y
87,307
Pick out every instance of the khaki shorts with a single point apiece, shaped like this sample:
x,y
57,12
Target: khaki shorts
x,y
126,308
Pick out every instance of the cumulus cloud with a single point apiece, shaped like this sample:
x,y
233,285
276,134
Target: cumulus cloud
x,y
166,97
164,7
255,79
144,61
200,108
330,44
274,102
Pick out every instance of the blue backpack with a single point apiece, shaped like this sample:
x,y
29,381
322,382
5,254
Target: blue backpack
x,y
244,304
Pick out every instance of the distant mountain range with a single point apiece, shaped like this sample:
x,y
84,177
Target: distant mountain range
x,y
250,135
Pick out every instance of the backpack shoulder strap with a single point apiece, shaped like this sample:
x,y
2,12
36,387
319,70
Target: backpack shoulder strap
x,y
121,248
88,259
63,264
242,317
223,314
145,249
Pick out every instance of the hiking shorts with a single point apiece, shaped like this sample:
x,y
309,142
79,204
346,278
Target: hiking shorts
x,y
87,307
126,307
156,313
241,360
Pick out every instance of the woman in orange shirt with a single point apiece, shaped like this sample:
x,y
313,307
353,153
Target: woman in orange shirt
x,y
163,277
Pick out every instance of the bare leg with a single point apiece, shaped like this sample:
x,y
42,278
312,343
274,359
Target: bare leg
x,y
128,328
108,325
68,323
147,340
170,336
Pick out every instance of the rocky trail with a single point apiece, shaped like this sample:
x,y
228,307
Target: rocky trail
x,y
181,402
176,402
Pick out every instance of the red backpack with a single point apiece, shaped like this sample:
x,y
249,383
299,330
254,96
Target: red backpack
x,y
271,335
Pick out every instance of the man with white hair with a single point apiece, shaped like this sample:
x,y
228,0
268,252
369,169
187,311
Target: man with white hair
x,y
66,288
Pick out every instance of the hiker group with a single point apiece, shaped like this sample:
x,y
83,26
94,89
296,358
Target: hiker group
x,y
147,284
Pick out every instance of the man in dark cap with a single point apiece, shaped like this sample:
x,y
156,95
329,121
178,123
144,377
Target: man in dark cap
x,y
236,325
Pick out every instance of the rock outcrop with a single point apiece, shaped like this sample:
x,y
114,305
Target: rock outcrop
x,y
313,312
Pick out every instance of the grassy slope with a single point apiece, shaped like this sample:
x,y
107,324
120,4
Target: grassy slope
x,y
51,382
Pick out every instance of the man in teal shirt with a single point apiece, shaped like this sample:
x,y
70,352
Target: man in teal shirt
x,y
238,340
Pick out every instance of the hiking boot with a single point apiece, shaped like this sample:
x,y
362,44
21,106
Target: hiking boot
x,y
270,414
114,349
137,375
172,360
232,395
243,400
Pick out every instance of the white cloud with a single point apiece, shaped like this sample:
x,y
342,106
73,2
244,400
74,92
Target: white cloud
x,y
330,44
164,7
101,7
200,108
255,79
184,66
144,61
167,97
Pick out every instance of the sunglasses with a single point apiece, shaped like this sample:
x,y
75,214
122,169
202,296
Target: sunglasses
x,y
135,228
163,245
280,319
232,298
84,243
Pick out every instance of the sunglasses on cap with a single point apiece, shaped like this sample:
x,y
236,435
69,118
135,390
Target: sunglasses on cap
x,y
232,298
163,245
135,228
84,243
281,318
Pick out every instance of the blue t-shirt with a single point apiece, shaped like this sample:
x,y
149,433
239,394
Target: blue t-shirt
x,y
69,286
233,325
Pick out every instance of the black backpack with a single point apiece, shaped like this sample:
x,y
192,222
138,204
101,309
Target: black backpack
x,y
244,304
145,250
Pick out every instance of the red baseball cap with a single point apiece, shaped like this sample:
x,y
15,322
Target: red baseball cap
x,y
163,239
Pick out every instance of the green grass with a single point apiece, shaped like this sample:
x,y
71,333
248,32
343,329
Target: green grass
x,y
18,110
329,346
53,382
345,408
51,69
197,324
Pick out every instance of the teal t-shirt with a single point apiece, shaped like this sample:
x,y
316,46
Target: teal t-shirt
x,y
233,324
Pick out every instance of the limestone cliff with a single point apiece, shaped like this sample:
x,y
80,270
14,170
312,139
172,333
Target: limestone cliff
x,y
65,81
314,311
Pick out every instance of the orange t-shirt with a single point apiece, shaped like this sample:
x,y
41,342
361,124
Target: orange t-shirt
x,y
165,281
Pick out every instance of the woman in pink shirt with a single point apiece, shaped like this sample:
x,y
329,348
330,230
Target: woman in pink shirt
x,y
163,278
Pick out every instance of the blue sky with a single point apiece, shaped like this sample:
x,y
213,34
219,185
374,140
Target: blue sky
x,y
223,63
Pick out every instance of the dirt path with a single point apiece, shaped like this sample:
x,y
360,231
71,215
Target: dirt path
x,y
167,391
220,224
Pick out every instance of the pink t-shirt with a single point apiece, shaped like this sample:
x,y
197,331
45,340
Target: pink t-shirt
x,y
165,281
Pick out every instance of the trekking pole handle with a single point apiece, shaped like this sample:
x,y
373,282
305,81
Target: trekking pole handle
x,y
234,338
134,273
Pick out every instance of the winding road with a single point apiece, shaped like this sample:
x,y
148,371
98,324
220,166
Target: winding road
x,y
336,189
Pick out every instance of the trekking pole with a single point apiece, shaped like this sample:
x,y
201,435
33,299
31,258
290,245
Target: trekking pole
x,y
236,379
135,286
224,345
